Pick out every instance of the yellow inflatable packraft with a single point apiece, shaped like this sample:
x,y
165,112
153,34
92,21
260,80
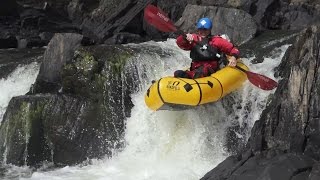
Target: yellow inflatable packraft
x,y
170,93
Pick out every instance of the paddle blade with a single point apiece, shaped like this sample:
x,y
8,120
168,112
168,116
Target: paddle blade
x,y
159,19
261,81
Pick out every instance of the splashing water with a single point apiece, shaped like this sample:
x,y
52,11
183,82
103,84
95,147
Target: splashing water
x,y
17,83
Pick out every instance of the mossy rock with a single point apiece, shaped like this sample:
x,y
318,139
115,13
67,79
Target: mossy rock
x,y
19,132
91,67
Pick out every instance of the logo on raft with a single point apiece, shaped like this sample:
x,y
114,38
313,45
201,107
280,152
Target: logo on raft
x,y
173,85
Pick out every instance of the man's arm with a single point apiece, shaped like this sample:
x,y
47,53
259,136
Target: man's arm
x,y
228,48
183,43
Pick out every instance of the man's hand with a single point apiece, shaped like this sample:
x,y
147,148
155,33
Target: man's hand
x,y
189,37
232,61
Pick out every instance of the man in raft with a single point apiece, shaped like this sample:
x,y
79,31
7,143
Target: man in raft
x,y
205,51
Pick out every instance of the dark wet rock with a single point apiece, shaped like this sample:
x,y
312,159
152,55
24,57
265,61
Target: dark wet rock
x,y
285,15
259,9
91,67
174,9
8,8
124,38
315,173
288,121
59,51
9,29
29,20
112,17
8,41
2,171
265,43
267,165
273,14
235,141
56,128
237,24
34,22
291,15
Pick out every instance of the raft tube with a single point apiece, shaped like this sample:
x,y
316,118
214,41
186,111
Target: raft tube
x,y
170,93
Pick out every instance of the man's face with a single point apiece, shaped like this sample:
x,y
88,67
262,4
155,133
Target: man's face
x,y
204,32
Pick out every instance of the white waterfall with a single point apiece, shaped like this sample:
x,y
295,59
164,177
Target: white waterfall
x,y
17,83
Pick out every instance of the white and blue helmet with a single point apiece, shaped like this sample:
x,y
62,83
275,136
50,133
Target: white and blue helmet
x,y
204,23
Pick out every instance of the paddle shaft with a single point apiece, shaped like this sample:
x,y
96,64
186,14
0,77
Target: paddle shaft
x,y
241,69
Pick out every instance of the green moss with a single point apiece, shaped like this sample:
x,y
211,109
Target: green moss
x,y
78,74
20,124
25,117
86,63
119,61
100,81
92,67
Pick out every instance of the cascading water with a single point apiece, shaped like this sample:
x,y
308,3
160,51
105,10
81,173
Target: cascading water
x,y
168,145
17,83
